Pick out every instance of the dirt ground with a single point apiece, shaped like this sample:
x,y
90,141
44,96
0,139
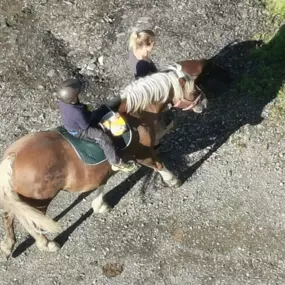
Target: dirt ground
x,y
225,224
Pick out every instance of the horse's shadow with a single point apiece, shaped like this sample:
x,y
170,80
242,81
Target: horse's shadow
x,y
251,77
112,198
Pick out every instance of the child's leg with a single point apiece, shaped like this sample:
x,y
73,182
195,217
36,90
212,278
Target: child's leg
x,y
105,143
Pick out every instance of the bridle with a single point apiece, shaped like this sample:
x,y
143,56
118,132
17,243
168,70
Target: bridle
x,y
183,103
189,104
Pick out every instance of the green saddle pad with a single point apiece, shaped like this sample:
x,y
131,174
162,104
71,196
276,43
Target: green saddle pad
x,y
89,152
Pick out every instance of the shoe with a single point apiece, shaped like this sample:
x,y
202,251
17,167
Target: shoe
x,y
124,166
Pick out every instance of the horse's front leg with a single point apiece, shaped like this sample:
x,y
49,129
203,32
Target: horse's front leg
x,y
169,178
151,160
99,205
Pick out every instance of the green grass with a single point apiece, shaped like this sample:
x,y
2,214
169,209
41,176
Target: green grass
x,y
268,79
275,49
278,109
276,7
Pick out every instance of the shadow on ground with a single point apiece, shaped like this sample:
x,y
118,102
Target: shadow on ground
x,y
252,76
112,198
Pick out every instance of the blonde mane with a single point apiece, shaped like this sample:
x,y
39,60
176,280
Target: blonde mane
x,y
154,88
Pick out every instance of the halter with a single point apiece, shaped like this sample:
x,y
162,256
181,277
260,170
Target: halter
x,y
191,104
183,103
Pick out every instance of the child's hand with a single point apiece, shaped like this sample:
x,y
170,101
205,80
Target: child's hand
x,y
90,107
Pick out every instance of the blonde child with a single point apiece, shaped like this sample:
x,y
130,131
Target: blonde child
x,y
141,44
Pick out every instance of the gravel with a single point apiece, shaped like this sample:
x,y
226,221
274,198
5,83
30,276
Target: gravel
x,y
225,224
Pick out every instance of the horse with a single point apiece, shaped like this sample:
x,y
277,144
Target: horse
x,y
37,166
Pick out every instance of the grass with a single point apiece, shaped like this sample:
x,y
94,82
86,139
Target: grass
x,y
276,7
278,109
268,78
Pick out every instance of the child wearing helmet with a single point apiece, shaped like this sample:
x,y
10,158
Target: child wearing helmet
x,y
77,119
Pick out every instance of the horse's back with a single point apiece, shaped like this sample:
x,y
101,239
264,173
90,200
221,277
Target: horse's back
x,y
38,158
45,163
34,142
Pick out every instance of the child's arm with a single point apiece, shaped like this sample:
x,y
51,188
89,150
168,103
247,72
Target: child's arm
x,y
83,119
144,68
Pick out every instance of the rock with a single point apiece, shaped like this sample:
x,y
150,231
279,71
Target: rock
x,y
101,60
91,66
121,35
112,269
51,73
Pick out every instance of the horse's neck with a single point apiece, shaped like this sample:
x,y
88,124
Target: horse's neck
x,y
154,108
123,107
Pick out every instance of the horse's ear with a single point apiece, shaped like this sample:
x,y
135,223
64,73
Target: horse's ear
x,y
182,82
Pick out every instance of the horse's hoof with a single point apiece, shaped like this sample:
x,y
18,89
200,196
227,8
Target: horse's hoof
x,y
105,209
53,246
100,209
175,183
48,246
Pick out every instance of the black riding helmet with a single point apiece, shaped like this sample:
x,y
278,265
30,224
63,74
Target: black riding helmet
x,y
69,91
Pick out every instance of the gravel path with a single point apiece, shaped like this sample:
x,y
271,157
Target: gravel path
x,y
225,225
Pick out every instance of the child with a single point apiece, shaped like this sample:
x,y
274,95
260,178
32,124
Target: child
x,y
141,45
76,119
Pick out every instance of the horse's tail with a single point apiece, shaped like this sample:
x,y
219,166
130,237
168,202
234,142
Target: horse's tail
x,y
30,218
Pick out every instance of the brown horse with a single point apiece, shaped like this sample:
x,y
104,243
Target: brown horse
x,y
39,165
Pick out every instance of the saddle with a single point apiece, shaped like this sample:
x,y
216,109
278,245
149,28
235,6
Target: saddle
x,y
90,152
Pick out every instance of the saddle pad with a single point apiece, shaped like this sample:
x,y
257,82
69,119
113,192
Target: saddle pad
x,y
90,152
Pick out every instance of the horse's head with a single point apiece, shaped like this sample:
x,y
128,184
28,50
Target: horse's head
x,y
174,84
193,98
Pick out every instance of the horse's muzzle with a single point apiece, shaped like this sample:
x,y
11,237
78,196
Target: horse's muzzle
x,y
200,106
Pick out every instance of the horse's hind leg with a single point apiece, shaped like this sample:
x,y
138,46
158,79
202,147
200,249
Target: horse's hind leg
x,y
99,205
43,243
9,241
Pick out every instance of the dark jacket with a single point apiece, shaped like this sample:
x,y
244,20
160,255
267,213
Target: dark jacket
x,y
75,117
141,68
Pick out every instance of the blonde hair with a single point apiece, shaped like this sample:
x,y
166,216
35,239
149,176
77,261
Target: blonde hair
x,y
141,38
